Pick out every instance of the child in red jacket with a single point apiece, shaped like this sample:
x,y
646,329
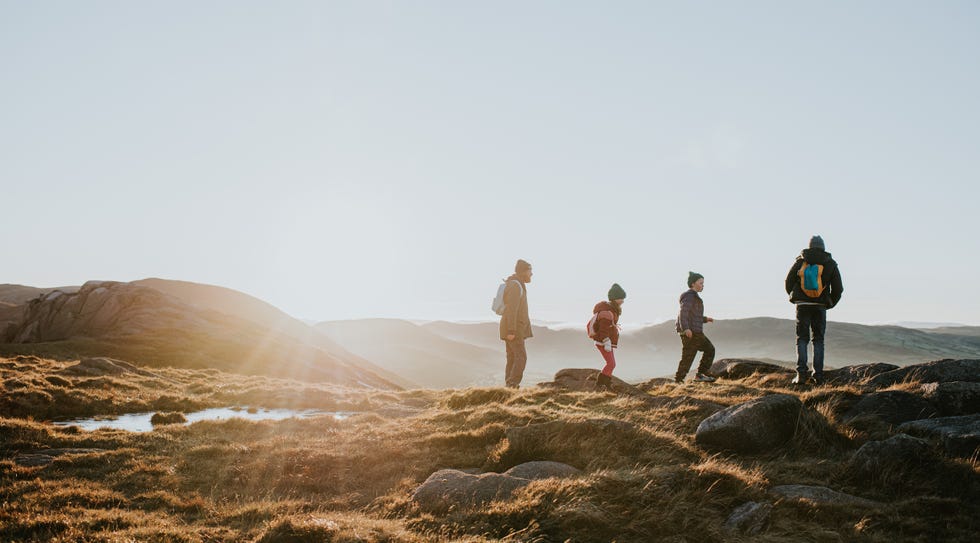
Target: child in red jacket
x,y
604,330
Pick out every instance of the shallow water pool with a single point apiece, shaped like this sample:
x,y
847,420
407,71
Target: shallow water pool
x,y
140,422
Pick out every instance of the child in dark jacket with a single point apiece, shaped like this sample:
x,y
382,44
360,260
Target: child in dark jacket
x,y
605,332
690,326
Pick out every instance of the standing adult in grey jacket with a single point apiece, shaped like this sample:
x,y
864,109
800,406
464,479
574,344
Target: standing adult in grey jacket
x,y
814,285
690,326
515,324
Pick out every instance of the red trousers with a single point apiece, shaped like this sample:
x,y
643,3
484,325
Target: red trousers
x,y
610,359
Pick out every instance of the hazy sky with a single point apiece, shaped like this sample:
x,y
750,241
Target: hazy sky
x,y
393,159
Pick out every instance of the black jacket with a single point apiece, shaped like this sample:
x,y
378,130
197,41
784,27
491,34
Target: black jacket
x,y
833,288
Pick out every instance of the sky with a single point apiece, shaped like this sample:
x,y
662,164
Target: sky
x,y
394,159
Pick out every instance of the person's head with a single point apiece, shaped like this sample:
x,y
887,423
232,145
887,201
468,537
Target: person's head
x,y
816,242
695,281
523,271
616,294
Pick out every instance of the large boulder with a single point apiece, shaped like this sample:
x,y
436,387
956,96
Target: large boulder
x,y
958,436
857,373
940,371
583,380
450,489
738,368
954,399
821,495
756,426
893,407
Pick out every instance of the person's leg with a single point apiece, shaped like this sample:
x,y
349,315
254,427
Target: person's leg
x,y
705,345
609,358
802,340
515,371
819,325
689,348
508,369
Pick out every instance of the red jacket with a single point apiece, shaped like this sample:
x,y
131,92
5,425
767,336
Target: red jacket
x,y
606,322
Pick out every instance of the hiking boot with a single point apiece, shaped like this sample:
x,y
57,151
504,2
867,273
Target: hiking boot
x,y
817,380
800,379
704,378
603,383
678,381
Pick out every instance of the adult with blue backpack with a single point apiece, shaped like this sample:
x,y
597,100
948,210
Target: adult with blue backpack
x,y
814,285
515,323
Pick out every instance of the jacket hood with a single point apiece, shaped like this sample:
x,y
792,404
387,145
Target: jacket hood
x,y
815,256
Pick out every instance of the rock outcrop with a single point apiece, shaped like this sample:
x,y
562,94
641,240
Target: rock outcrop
x,y
760,425
940,371
893,407
958,436
132,322
857,373
953,399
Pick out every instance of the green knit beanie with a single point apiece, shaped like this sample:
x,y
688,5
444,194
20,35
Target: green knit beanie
x,y
616,292
693,278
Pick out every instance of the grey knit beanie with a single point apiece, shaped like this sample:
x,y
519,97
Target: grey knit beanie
x,y
816,242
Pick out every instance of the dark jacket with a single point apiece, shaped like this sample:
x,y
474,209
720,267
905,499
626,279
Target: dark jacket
x,y
515,319
833,288
691,316
607,319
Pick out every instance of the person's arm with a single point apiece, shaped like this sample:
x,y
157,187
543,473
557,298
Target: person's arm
x,y
792,277
512,304
686,317
836,287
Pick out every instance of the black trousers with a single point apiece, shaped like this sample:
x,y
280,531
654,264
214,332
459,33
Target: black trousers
x,y
697,342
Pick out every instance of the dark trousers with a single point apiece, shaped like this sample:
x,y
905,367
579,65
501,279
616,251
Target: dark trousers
x,y
810,318
516,361
691,346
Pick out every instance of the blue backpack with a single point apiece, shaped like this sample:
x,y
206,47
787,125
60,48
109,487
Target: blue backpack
x,y
811,279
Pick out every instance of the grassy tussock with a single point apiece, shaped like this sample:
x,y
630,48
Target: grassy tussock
x,y
351,480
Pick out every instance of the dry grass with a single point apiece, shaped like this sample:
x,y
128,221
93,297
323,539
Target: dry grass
x,y
350,480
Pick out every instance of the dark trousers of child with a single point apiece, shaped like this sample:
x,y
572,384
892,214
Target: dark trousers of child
x,y
691,345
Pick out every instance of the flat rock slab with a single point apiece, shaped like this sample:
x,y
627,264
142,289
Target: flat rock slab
x,y
954,399
958,436
450,489
739,368
821,495
857,373
584,379
95,367
893,407
940,371
760,425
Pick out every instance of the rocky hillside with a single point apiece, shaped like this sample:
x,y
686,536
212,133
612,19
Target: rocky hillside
x,y
150,327
879,454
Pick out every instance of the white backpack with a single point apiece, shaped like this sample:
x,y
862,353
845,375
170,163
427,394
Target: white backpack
x,y
498,305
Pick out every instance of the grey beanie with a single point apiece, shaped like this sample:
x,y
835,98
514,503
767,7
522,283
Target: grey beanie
x,y
693,277
816,242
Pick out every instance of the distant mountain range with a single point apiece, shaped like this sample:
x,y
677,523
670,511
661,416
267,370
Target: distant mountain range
x,y
475,349
183,324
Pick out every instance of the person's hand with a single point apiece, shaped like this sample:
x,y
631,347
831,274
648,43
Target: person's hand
x,y
510,337
689,334
607,345
710,319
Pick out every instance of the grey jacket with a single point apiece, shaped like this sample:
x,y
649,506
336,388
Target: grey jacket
x,y
515,319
